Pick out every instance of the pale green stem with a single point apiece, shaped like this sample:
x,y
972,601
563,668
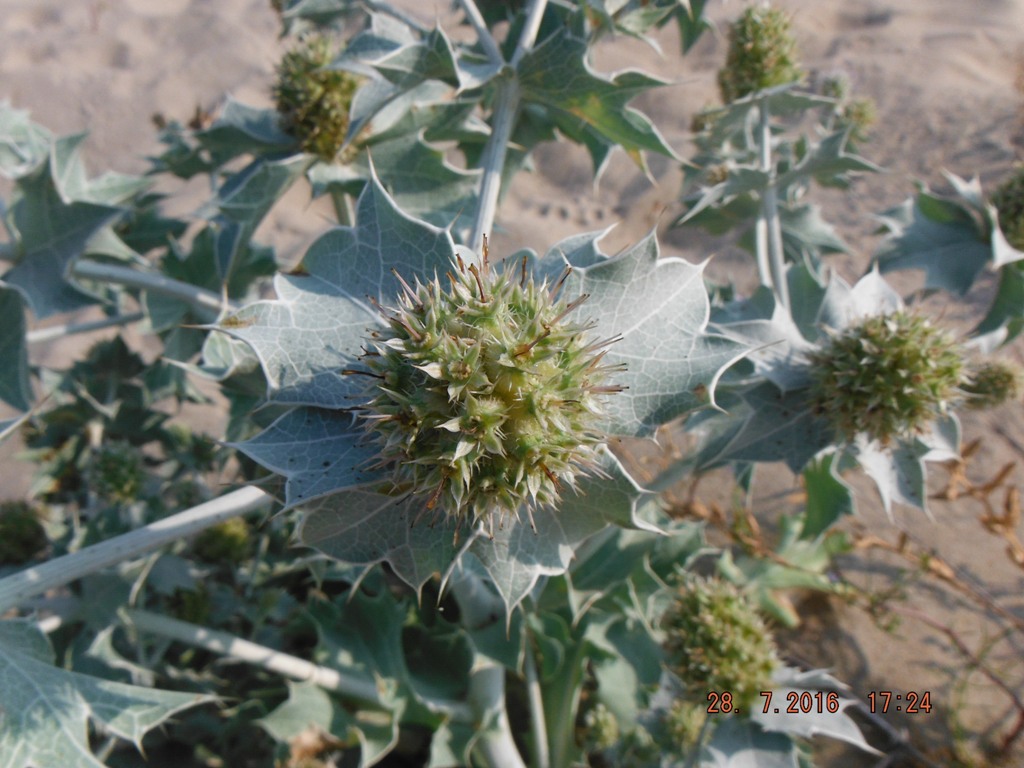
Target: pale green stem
x,y
483,34
530,29
284,664
769,229
505,110
496,747
477,606
207,304
506,107
38,579
538,725
69,329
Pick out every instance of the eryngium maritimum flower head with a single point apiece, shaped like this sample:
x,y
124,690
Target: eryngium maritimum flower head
x,y
762,54
483,397
716,641
889,376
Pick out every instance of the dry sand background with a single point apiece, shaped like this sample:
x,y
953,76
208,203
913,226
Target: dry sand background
x,y
942,74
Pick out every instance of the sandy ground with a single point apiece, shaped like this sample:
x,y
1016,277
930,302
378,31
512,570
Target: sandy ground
x,y
942,75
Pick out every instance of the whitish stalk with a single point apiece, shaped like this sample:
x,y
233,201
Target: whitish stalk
x,y
530,29
483,34
505,110
284,664
538,725
207,304
506,107
769,230
30,582
60,331
496,747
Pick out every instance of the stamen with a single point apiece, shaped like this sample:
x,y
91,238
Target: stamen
x,y
479,282
561,281
524,348
570,307
409,292
355,372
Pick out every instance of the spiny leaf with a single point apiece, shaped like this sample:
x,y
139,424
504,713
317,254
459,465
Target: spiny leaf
x,y
23,144
950,238
318,452
661,309
50,233
363,527
44,709
899,471
790,683
556,75
740,743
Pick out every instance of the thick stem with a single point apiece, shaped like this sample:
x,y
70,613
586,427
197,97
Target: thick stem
x,y
207,304
60,331
496,747
286,665
562,703
483,34
530,29
538,724
505,110
506,107
769,228
56,573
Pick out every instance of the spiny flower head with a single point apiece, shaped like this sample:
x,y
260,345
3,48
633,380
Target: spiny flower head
x,y
762,54
485,397
717,641
227,542
117,473
21,533
888,376
314,101
1009,201
992,383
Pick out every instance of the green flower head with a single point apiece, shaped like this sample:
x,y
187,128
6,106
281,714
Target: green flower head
x,y
1009,202
483,397
314,101
717,641
21,533
887,377
762,54
992,383
117,473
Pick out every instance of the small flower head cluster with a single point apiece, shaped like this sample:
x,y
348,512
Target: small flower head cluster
x,y
22,535
314,101
992,383
485,397
1009,201
762,54
717,641
117,473
887,377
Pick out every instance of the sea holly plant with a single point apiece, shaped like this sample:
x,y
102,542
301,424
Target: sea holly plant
x,y
459,547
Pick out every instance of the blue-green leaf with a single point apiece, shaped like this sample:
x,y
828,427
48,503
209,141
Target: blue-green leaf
x,y
557,75
661,309
829,497
44,710
15,389
740,743
807,722
318,452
